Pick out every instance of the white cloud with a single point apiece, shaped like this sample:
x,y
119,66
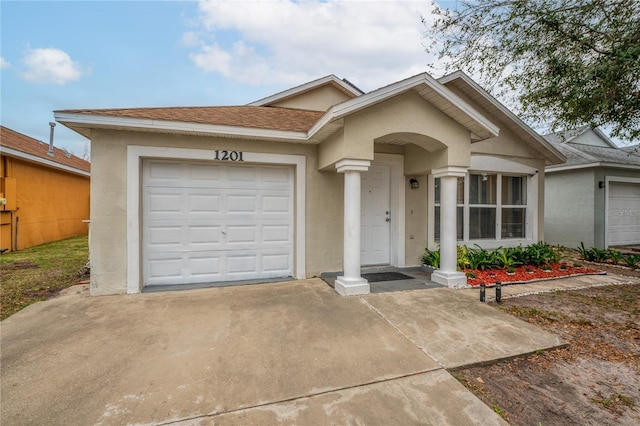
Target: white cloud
x,y
371,43
50,65
3,63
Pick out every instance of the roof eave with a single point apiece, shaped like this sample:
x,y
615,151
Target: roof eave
x,y
564,168
79,121
42,161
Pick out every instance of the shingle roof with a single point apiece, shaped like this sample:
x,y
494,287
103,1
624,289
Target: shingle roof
x,y
272,118
23,143
578,154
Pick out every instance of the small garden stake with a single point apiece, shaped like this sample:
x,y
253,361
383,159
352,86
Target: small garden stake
x,y
498,291
482,292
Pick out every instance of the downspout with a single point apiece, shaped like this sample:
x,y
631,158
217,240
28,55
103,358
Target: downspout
x,y
50,152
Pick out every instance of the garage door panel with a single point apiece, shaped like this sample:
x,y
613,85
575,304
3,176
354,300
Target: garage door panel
x,y
164,203
242,234
202,174
165,235
203,203
209,223
276,233
204,235
276,263
276,204
279,176
169,268
241,204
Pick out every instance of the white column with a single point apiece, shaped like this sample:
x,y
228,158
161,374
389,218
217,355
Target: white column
x,y
447,273
351,283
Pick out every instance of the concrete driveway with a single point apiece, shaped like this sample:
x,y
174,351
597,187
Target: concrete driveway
x,y
293,353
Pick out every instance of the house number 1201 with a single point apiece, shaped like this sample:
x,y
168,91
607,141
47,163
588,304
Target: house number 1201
x,y
224,155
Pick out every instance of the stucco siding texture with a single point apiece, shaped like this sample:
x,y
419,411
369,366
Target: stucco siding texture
x,y
51,204
324,200
569,208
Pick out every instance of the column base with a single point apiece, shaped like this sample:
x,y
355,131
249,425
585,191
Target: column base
x,y
351,286
450,279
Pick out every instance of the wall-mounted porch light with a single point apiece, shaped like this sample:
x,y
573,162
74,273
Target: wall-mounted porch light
x,y
415,184
601,184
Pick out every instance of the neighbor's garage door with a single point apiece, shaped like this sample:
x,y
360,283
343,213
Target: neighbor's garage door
x,y
211,222
624,214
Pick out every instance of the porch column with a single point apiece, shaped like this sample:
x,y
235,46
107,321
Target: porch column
x,y
351,283
447,273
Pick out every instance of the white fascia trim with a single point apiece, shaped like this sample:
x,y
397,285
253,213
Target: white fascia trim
x,y
371,98
136,153
42,161
303,88
178,126
553,169
461,75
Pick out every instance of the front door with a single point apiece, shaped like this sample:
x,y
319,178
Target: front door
x,y
375,215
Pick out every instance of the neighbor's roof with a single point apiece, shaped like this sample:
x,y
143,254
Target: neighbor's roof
x,y
573,134
582,156
21,146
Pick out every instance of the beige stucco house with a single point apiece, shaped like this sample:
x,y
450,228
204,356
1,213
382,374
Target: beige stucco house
x,y
320,177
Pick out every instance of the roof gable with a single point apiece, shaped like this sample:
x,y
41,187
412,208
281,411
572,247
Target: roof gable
x,y
317,95
18,145
432,91
461,83
584,135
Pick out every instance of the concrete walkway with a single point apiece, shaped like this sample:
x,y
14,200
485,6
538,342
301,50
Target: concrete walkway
x,y
291,353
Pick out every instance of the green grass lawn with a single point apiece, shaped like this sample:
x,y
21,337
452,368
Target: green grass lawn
x,y
38,273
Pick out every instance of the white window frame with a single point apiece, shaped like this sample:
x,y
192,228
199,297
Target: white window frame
x,y
497,166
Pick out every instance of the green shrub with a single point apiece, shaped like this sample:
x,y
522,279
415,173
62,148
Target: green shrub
x,y
632,261
431,258
615,256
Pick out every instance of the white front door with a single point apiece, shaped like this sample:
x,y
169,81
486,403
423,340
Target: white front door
x,y
375,215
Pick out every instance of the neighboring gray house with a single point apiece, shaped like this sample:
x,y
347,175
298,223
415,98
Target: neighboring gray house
x,y
595,196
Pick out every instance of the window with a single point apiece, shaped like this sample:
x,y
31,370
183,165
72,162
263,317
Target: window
x,y
514,201
490,206
482,206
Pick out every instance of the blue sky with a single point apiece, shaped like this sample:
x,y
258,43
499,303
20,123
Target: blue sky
x,y
107,54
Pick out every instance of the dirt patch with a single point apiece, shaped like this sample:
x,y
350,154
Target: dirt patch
x,y
20,264
593,381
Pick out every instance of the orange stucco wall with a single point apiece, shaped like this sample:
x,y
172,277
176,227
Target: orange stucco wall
x,y
47,204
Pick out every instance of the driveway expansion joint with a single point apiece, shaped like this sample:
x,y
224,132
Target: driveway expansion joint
x,y
397,329
296,398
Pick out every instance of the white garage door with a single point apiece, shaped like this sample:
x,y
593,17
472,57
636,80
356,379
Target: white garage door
x,y
624,214
211,222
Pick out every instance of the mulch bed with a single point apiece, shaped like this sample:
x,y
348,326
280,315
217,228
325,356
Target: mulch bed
x,y
523,274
